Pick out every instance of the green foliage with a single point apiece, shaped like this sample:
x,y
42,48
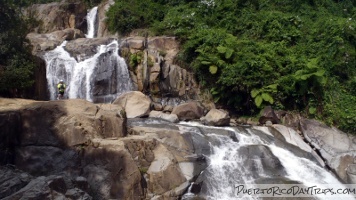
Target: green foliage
x,y
16,64
125,16
135,59
264,94
340,109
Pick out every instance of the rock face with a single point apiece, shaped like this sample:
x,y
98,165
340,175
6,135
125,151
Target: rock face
x,y
49,41
59,137
157,74
102,26
336,147
58,16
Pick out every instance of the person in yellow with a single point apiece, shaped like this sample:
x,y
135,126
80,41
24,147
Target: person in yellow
x,y
61,88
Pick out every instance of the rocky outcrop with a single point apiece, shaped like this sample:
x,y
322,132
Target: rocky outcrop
x,y
167,156
58,16
156,73
49,41
134,104
61,138
102,25
336,147
83,48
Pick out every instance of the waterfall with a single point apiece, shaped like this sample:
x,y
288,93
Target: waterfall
x,y
100,78
91,22
238,162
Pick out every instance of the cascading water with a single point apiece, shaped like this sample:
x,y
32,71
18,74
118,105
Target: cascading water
x,y
82,77
100,78
243,161
91,21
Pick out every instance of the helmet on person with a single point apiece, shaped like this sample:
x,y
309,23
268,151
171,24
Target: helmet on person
x,y
61,81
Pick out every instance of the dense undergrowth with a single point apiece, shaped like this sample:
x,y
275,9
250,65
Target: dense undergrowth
x,y
291,54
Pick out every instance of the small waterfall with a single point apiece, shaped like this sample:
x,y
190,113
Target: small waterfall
x,y
91,21
100,78
237,162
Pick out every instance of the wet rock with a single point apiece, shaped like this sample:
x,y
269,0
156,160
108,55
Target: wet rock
x,y
336,147
260,157
83,48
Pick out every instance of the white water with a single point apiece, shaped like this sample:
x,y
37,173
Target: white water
x,y
105,65
91,21
227,168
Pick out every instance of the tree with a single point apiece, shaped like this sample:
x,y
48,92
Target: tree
x,y
16,61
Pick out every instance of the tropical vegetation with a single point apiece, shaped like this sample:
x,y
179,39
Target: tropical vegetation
x,y
291,54
295,55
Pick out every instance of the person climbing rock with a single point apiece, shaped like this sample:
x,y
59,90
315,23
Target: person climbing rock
x,y
61,88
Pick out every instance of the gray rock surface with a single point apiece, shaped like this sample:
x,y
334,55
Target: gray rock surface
x,y
336,147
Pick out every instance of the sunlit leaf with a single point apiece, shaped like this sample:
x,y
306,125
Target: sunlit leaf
x,y
267,97
254,93
221,49
258,101
213,69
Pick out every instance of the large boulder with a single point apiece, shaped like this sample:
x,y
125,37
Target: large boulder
x,y
135,104
268,115
164,174
189,111
216,117
167,156
336,147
